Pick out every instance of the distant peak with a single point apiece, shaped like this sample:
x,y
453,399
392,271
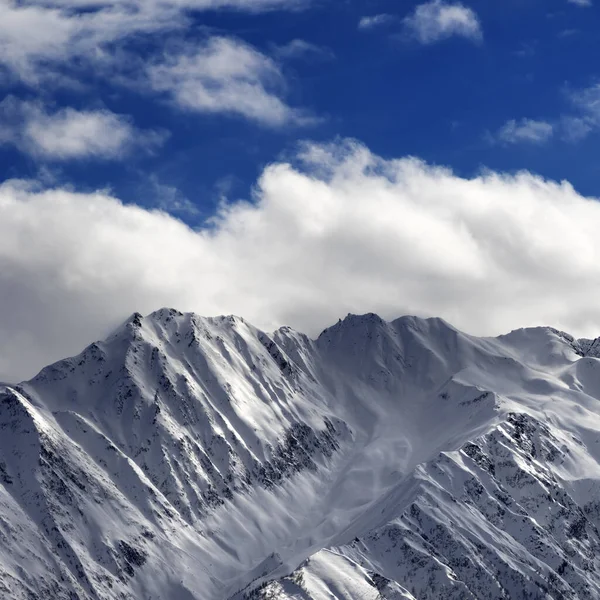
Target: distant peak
x,y
135,319
165,314
365,318
352,321
422,322
370,321
589,347
547,332
233,319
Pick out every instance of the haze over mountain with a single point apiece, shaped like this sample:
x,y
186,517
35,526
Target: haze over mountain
x,y
201,458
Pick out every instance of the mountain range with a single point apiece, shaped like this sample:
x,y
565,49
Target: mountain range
x,y
192,458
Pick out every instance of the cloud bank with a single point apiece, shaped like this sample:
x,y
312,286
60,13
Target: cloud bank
x,y
338,230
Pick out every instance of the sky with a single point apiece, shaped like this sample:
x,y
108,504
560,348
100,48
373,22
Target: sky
x,y
291,161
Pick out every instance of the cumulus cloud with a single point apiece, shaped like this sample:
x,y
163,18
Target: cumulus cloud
x,y
371,22
225,76
68,134
40,34
38,39
52,43
525,130
338,230
437,20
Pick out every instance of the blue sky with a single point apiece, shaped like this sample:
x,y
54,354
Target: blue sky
x,y
445,100
291,161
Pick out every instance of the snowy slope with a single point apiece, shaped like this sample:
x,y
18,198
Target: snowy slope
x,y
194,458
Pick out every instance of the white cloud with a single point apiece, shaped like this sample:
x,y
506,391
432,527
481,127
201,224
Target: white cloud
x,y
51,43
573,126
581,2
69,134
302,49
225,76
437,20
574,129
169,198
371,22
587,100
348,231
40,37
525,130
586,118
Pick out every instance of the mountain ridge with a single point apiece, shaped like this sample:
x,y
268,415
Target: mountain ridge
x,y
191,457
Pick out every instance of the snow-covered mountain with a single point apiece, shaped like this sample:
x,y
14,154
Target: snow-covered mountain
x,y
200,458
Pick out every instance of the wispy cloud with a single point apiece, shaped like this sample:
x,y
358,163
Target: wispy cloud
x,y
50,43
586,118
170,199
568,33
587,100
437,20
581,2
301,49
527,49
575,128
525,130
69,134
373,21
225,75
582,120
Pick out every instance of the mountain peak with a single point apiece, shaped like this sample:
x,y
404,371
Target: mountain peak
x,y
589,347
353,325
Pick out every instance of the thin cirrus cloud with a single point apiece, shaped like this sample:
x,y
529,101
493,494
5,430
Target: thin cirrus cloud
x,y
301,49
69,134
438,20
581,2
375,21
225,75
338,230
169,198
